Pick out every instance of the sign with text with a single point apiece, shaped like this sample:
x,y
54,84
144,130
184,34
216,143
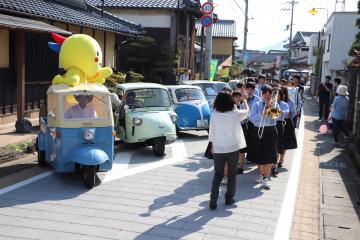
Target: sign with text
x,y
207,8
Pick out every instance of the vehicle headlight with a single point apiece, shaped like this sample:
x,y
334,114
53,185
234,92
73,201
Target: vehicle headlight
x,y
89,134
137,121
173,118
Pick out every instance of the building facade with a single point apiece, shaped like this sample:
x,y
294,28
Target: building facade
x,y
22,93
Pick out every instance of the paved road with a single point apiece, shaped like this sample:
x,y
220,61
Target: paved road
x,y
144,197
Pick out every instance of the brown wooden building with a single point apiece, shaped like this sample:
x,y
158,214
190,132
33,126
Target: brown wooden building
x,y
27,65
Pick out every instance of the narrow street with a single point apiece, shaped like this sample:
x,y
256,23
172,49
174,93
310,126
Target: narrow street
x,y
148,198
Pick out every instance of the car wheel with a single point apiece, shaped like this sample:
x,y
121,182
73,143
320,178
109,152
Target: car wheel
x,y
159,147
41,159
89,176
177,130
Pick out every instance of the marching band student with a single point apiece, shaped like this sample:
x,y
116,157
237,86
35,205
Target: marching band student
x,y
284,108
264,138
241,104
283,82
251,100
227,139
290,141
261,83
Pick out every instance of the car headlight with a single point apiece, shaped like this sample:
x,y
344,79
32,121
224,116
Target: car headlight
x,y
173,118
89,134
137,121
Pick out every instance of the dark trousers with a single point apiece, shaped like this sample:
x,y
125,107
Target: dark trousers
x,y
220,159
324,108
338,126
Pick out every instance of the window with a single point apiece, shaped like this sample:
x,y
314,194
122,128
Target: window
x,y
189,94
86,106
328,47
147,97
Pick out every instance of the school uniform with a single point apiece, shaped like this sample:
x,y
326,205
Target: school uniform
x,y
264,148
280,123
244,127
290,141
247,125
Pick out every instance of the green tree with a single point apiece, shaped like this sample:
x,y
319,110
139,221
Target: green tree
x,y
356,43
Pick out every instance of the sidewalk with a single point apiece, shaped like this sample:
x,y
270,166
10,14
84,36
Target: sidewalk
x,y
328,193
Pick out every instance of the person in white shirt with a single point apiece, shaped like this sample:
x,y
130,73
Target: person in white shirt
x,y
227,139
82,109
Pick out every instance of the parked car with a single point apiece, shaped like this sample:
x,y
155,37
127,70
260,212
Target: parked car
x,y
191,107
78,133
147,115
210,88
233,83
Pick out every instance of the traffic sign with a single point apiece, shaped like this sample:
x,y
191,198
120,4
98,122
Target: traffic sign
x,y
207,8
206,21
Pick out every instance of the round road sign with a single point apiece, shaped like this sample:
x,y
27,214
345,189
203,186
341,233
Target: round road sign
x,y
206,21
207,8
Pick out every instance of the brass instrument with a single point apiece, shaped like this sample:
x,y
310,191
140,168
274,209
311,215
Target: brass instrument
x,y
272,112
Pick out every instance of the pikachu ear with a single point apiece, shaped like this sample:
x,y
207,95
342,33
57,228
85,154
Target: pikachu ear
x,y
58,38
54,46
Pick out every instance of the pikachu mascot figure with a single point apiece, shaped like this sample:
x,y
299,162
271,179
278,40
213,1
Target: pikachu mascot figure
x,y
80,55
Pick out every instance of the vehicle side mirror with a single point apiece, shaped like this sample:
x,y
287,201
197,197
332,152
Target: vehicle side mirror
x,y
51,115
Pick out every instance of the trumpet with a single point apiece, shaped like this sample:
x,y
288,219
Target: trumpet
x,y
272,112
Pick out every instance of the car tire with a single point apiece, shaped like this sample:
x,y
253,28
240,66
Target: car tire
x,y
41,159
159,147
89,176
177,130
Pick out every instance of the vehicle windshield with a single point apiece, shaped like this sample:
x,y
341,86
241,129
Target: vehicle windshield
x,y
147,97
222,85
233,85
209,89
86,106
189,94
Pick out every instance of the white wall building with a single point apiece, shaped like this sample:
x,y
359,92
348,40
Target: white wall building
x,y
337,38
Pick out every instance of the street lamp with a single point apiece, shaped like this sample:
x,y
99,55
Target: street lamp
x,y
315,11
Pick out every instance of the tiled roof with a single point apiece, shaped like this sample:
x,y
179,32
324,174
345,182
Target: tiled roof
x,y
83,15
164,4
222,28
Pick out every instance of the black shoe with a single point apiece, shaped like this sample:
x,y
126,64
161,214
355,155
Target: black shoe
x,y
274,172
212,205
229,201
240,171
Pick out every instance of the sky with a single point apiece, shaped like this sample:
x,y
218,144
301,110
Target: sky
x,y
267,24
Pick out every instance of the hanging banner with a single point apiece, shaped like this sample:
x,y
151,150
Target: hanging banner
x,y
213,68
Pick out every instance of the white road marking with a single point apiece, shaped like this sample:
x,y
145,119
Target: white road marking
x,y
179,154
284,223
26,182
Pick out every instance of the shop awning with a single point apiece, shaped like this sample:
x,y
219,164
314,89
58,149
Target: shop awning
x,y
16,23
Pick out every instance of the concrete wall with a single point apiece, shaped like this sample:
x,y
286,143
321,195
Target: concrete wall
x,y
4,48
222,46
339,32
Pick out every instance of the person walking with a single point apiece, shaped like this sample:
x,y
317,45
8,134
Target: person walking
x,y
240,102
338,113
264,137
280,123
323,93
290,141
227,139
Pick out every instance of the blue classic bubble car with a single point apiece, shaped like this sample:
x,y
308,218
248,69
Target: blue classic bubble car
x,y
210,88
191,106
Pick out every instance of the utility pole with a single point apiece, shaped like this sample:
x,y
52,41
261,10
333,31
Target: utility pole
x,y
245,31
291,29
202,53
208,50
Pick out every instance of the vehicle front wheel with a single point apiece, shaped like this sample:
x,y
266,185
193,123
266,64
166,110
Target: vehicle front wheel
x,y
159,147
41,159
89,176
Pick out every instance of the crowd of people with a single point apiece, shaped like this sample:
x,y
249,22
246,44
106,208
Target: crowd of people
x,y
255,123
